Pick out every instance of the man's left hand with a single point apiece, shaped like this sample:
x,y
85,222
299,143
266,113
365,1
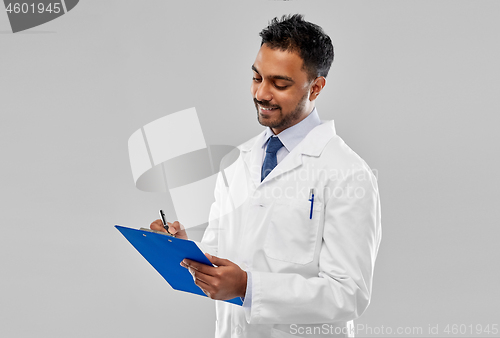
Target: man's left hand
x,y
225,281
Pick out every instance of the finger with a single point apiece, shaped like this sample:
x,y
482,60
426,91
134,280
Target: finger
x,y
204,287
171,229
206,292
157,225
175,227
218,261
204,280
203,268
209,285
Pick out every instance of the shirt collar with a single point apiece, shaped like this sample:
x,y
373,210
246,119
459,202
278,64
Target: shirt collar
x,y
292,136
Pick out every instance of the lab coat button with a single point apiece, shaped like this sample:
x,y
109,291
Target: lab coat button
x,y
238,330
261,205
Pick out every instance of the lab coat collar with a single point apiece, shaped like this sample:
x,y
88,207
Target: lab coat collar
x,y
312,145
293,135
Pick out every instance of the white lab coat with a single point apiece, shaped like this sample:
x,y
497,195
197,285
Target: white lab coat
x,y
309,274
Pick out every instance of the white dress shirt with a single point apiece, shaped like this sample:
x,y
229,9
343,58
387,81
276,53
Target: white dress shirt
x,y
290,138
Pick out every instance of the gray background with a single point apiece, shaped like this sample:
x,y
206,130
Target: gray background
x,y
413,90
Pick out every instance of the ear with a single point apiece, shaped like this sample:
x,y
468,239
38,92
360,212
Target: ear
x,y
316,87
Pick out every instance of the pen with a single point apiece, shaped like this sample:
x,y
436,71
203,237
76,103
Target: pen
x,y
311,199
164,221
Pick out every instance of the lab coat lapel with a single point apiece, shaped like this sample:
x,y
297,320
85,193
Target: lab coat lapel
x,y
317,139
312,145
290,162
252,153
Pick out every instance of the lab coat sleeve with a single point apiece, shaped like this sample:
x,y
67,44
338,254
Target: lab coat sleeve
x,y
342,289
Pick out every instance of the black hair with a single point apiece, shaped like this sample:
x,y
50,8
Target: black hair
x,y
293,34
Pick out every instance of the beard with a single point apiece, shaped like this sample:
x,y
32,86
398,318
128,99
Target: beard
x,y
281,121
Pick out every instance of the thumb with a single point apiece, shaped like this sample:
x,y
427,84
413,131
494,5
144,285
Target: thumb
x,y
216,260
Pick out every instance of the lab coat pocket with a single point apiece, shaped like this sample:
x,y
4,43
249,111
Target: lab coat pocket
x,y
293,233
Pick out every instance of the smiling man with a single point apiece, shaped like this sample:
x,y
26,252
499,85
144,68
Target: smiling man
x,y
295,227
284,92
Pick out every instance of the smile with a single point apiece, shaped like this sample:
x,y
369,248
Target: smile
x,y
264,109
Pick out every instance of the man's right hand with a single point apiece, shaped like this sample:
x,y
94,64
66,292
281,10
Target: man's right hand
x,y
176,229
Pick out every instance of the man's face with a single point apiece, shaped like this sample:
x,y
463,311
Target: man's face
x,y
280,89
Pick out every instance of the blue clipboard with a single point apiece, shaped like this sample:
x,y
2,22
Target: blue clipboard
x,y
165,254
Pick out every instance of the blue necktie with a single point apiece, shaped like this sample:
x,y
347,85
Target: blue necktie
x,y
270,161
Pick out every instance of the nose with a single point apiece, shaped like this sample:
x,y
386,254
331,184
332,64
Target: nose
x,y
263,92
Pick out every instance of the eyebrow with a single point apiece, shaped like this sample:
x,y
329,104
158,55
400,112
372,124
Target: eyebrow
x,y
275,77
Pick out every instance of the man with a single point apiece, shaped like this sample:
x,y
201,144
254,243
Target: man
x,y
296,221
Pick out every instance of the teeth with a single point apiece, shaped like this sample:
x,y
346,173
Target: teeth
x,y
266,108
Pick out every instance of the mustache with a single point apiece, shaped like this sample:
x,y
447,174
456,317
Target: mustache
x,y
265,104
